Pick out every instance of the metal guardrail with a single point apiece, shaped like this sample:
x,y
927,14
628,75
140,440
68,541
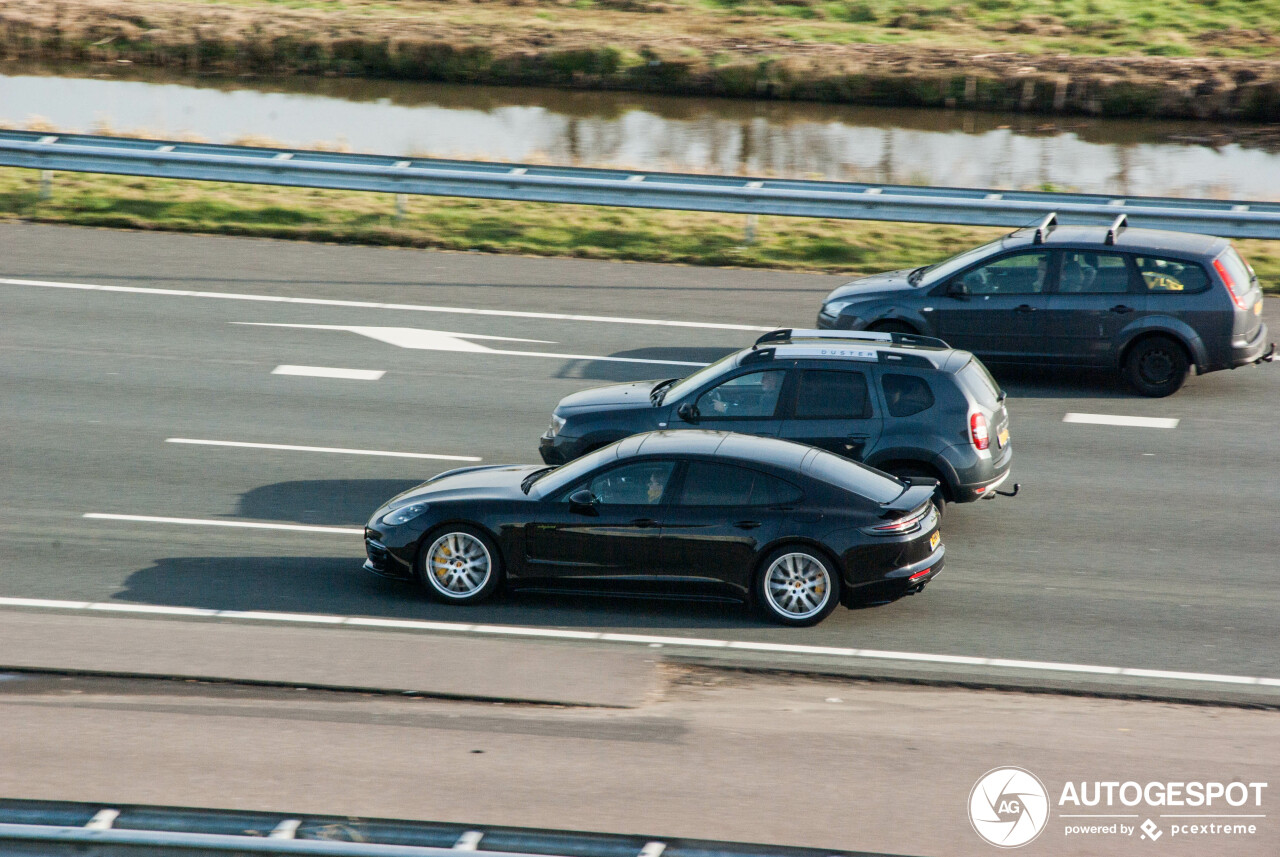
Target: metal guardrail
x,y
386,174
61,827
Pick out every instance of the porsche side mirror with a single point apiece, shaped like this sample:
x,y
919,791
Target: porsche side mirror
x,y
688,412
582,499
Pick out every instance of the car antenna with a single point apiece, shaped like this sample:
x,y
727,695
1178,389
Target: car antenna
x,y
1022,227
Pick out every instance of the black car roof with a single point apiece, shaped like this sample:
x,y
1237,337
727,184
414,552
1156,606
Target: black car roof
x,y
721,444
1126,239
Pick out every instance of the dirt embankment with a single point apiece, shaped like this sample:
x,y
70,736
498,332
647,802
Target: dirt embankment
x,y
205,38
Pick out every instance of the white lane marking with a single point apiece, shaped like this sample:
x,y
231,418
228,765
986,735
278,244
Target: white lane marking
x,y
553,316
636,639
287,829
1111,420
206,522
329,372
103,819
468,841
439,340
336,450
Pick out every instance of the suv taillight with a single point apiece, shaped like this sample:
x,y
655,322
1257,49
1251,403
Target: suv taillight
x,y
1236,291
978,431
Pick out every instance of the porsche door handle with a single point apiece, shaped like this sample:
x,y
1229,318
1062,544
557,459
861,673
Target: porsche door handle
x,y
747,525
644,522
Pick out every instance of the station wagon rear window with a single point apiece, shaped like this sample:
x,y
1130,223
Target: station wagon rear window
x,y
978,381
1162,276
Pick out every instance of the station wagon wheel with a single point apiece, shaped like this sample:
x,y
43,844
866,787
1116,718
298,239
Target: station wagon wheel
x,y
459,565
1157,366
797,586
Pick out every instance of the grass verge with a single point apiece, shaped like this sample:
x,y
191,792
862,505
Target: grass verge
x,y
536,229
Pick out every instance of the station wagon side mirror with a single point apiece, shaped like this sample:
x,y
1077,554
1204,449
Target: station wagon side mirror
x,y
688,412
958,288
582,499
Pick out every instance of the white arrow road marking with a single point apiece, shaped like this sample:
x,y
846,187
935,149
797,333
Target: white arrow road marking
x,y
443,340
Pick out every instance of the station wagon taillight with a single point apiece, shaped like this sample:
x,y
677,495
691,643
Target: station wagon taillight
x,y
1236,290
978,431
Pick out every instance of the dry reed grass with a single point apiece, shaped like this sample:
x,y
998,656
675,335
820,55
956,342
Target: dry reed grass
x,y
496,43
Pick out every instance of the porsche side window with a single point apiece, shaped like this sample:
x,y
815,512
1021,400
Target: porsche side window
x,y
639,484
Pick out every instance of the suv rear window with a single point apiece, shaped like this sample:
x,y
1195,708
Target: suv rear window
x,y
978,382
1171,275
906,394
855,477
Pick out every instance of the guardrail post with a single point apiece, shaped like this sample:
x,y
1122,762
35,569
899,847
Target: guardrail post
x,y
46,185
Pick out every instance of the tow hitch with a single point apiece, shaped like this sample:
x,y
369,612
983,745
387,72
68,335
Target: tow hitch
x,y
1013,493
1269,356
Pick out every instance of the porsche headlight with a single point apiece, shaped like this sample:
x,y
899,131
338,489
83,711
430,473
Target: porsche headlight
x,y
404,514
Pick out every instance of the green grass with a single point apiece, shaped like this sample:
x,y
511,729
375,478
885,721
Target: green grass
x,y
538,229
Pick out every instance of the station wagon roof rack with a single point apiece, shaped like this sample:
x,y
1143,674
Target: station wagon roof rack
x,y
1116,225
1046,226
788,334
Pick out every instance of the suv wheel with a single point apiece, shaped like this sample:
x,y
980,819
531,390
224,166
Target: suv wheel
x,y
1156,366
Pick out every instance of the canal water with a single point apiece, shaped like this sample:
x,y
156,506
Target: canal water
x,y
784,139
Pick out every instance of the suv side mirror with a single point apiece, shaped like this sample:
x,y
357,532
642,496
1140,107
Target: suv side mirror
x,y
582,499
688,412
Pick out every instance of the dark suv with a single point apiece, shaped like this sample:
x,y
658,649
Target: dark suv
x,y
1147,302
908,405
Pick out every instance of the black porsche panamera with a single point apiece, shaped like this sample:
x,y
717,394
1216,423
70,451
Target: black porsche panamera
x,y
794,529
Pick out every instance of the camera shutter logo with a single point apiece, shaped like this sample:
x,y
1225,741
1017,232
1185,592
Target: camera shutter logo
x,y
1008,807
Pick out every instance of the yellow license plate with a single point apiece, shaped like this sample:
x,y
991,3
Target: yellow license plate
x,y
934,540
1004,438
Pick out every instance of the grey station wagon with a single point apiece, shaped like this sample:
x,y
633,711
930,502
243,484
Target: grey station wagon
x,y
908,405
1147,302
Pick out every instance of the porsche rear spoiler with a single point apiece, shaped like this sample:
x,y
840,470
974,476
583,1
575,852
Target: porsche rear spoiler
x,y
919,491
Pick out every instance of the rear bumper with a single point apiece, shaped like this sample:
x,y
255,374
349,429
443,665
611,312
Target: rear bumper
x,y
1257,350
906,580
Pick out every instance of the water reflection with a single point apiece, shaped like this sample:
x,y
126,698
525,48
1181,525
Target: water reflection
x,y
657,133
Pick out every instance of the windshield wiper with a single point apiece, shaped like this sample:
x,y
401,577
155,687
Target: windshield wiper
x,y
914,277
656,394
528,481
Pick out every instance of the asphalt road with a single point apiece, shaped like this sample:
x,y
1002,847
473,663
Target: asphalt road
x,y
1132,547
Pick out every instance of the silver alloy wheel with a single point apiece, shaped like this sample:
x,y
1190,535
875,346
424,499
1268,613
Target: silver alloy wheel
x,y
797,586
458,565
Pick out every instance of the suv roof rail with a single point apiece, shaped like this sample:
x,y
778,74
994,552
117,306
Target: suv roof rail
x,y
1046,226
1116,225
787,334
